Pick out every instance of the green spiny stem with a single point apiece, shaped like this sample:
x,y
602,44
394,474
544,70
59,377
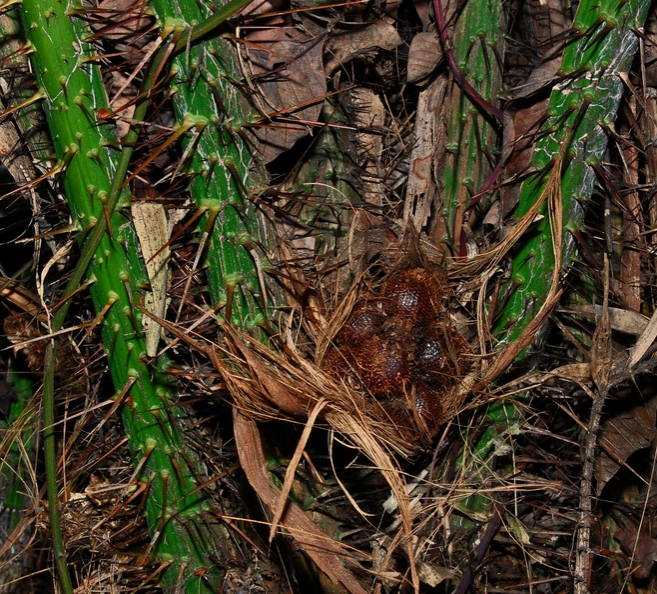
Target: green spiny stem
x,y
581,109
220,164
93,185
471,138
118,180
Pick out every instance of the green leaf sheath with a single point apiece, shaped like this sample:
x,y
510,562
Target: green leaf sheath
x,y
223,172
471,137
581,108
17,433
86,149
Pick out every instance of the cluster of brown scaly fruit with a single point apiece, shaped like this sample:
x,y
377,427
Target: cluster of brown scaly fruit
x,y
400,347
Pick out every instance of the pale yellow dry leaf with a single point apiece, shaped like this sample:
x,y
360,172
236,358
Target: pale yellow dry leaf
x,y
154,228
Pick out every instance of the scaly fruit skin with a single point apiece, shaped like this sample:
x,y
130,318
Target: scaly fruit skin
x,y
73,92
220,164
581,108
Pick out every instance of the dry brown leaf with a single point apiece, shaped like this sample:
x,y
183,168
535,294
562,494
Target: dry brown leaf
x,y
153,225
621,320
287,66
580,373
327,554
348,44
424,54
645,341
642,549
434,575
621,435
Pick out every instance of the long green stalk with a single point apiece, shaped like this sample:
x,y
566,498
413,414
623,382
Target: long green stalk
x,y
581,110
74,92
223,172
471,138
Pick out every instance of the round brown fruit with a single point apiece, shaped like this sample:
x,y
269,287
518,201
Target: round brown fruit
x,y
433,357
339,364
333,362
383,366
412,295
428,409
363,323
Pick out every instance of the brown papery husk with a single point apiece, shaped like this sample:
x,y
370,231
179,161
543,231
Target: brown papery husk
x,y
267,385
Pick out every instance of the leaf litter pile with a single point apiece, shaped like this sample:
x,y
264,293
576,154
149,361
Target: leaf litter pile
x,y
447,383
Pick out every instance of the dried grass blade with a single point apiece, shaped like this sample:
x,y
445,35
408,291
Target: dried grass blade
x,y
645,341
292,467
325,552
372,447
